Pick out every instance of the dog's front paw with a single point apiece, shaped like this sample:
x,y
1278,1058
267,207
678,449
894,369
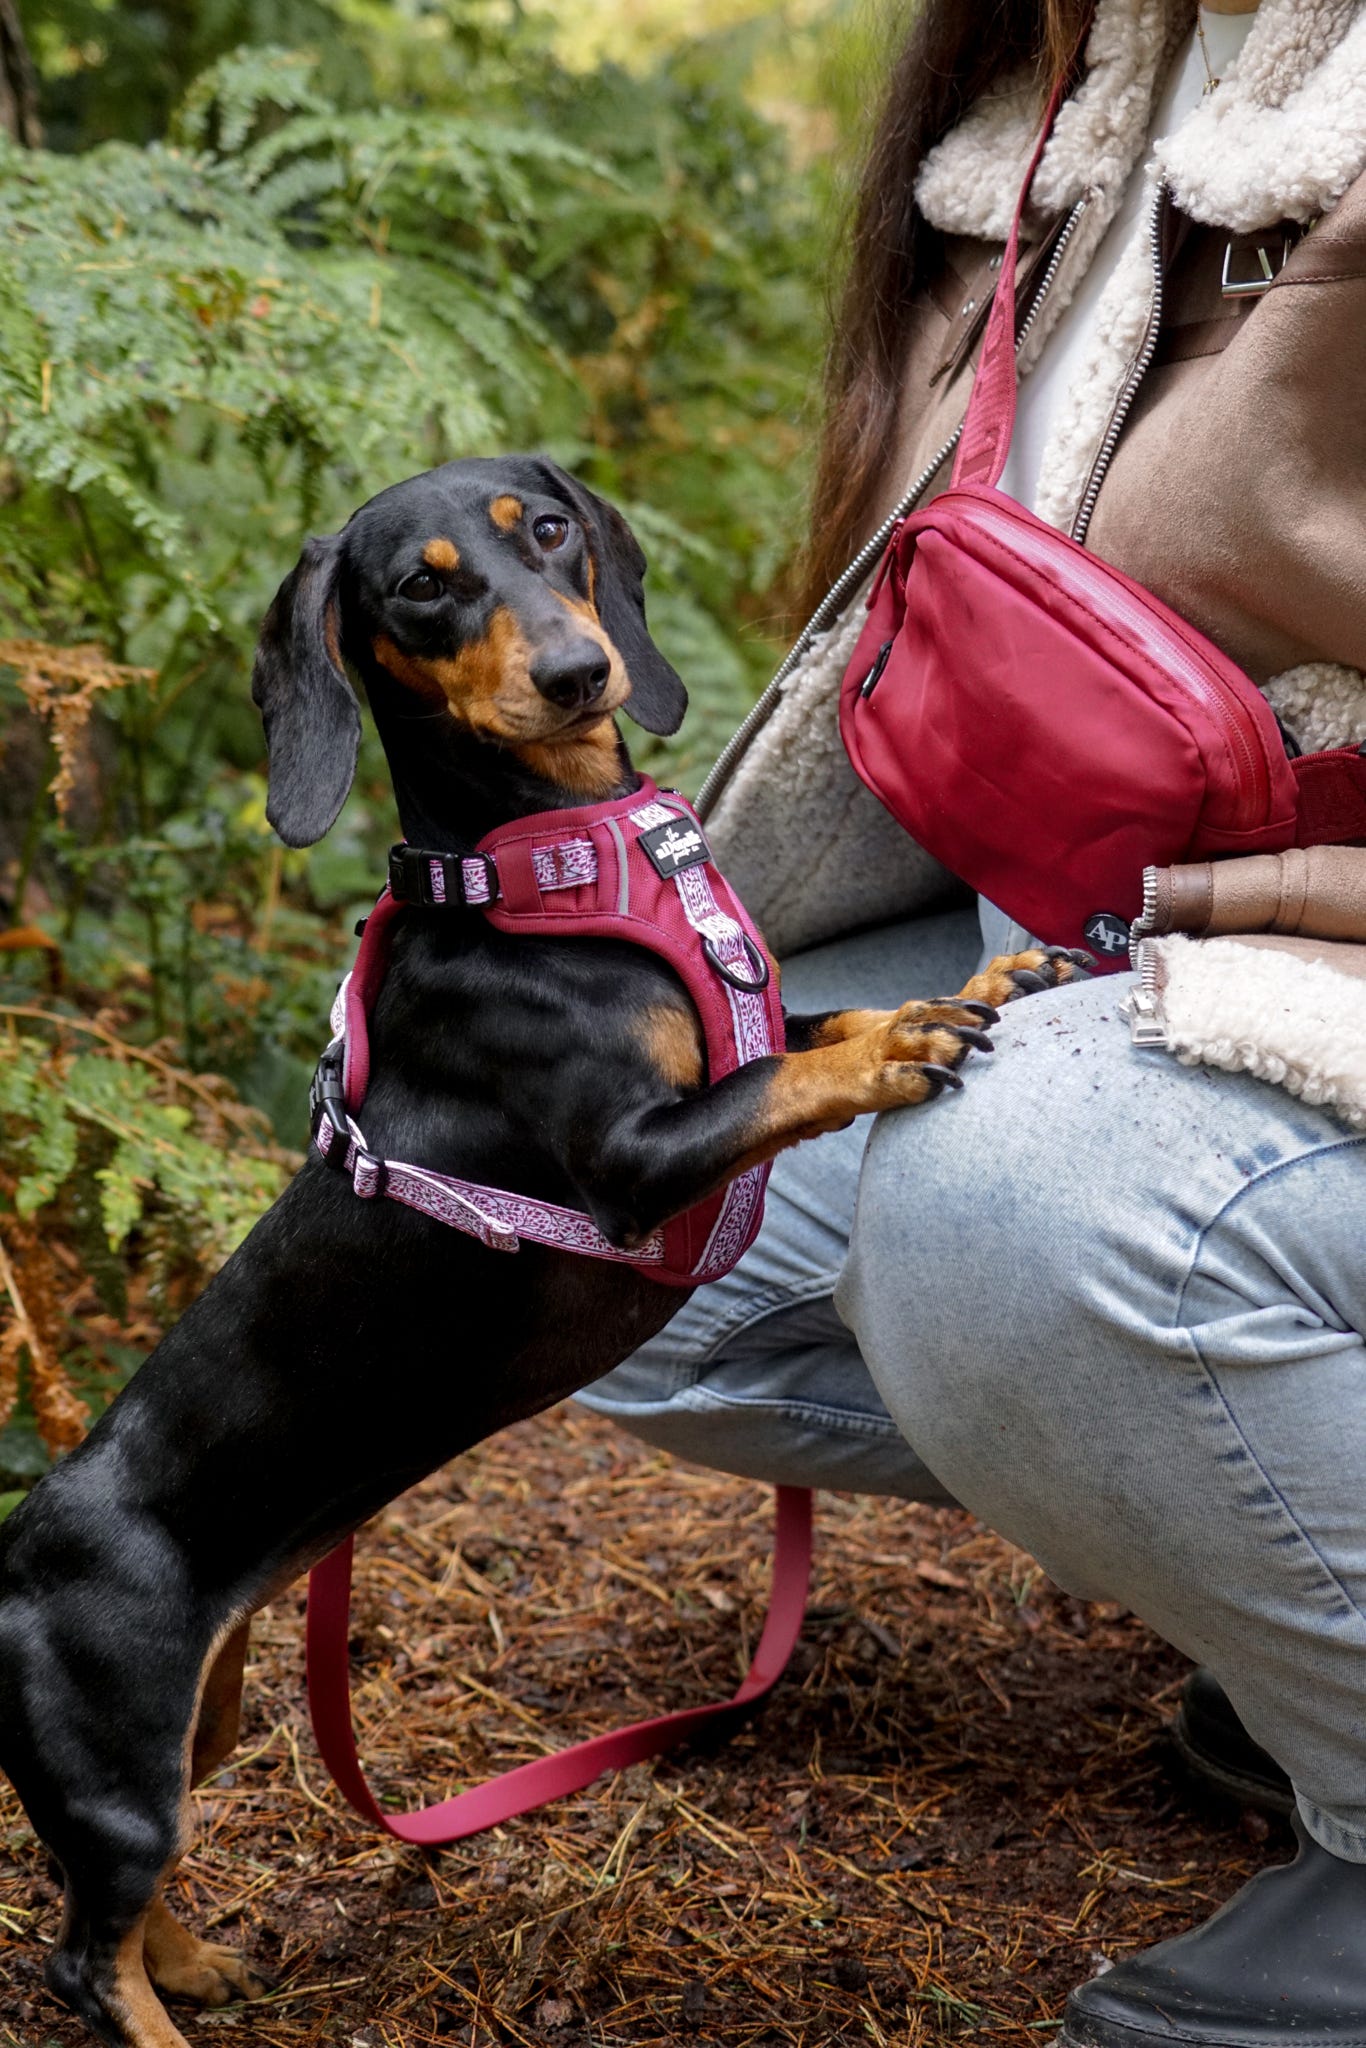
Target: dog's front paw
x,y
920,1047
1011,975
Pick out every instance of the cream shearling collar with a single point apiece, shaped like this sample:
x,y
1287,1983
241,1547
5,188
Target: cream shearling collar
x,y
968,183
1282,138
1285,134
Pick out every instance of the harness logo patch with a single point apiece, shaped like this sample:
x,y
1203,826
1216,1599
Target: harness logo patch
x,y
671,848
1107,931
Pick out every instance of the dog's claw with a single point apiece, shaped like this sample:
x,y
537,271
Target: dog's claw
x,y
970,1035
982,1010
1078,956
1027,981
940,1078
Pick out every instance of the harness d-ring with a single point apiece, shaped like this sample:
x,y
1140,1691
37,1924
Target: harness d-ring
x,y
727,973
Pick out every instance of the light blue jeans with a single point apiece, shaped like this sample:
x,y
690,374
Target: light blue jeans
x,y
1113,1305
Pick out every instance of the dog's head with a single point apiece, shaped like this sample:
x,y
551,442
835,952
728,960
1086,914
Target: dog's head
x,y
497,593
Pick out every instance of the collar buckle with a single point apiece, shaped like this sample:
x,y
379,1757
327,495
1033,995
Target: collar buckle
x,y
327,1105
435,880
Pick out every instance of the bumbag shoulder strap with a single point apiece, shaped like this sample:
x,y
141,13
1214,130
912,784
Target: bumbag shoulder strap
x,y
990,418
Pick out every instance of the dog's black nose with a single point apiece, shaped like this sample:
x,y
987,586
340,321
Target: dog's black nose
x,y
574,676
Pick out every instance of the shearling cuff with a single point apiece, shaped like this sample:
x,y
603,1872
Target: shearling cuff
x,y
1291,1011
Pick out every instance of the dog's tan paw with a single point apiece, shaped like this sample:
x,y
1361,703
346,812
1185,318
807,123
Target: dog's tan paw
x,y
204,1972
920,1047
214,1976
1012,975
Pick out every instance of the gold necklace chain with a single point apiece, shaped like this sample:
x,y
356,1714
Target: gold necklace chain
x,y
1211,82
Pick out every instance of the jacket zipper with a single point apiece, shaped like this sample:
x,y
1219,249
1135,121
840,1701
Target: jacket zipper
x,y
1146,1025
1156,221
824,616
835,599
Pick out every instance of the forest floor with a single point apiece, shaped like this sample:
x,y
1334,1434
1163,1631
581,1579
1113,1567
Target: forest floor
x,y
958,1803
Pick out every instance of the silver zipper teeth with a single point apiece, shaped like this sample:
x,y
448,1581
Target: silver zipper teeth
x,y
1147,1027
824,616
1143,923
832,604
1065,235
1082,522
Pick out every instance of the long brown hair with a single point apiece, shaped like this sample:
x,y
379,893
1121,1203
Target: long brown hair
x,y
954,51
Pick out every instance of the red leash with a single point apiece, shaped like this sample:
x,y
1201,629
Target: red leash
x,y
549,1777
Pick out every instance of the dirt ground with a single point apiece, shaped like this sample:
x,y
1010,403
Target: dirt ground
x,y
958,1803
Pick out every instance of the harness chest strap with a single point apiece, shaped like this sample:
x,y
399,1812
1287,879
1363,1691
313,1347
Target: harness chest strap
x,y
635,868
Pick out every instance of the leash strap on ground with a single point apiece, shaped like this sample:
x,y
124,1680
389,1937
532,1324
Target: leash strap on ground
x,y
569,1770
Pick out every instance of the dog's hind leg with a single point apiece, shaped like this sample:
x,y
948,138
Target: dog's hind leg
x,y
97,1967
107,1789
178,1962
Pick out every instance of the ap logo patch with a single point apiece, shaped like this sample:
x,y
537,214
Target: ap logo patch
x,y
672,847
1107,932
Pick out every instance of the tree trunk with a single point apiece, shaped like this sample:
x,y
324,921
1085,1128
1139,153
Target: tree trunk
x,y
18,81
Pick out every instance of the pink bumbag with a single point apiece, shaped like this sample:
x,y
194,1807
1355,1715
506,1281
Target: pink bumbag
x,y
1046,727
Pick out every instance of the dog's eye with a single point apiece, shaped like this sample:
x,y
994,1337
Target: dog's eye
x,y
551,533
421,588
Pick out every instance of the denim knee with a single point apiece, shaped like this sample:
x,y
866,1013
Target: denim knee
x,y
1023,1254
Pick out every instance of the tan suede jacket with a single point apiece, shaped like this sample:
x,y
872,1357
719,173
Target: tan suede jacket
x,y
1236,489
1213,445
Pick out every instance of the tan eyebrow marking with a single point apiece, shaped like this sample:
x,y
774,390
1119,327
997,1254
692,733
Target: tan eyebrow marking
x,y
505,512
441,553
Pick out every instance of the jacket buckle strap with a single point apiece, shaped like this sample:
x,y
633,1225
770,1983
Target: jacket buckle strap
x,y
1241,282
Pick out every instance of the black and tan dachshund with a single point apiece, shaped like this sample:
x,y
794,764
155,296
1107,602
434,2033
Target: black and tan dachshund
x,y
494,612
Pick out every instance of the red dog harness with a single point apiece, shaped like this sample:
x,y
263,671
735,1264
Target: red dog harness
x,y
637,868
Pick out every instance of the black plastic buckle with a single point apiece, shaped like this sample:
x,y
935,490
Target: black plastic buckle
x,y
409,881
728,974
327,1104
410,877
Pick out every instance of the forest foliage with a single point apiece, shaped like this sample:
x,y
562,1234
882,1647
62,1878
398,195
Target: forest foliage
x,y
270,258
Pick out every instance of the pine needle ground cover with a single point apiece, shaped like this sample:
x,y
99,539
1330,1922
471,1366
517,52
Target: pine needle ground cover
x,y
958,1803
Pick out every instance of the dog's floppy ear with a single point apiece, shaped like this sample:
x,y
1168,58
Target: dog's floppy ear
x,y
658,698
311,716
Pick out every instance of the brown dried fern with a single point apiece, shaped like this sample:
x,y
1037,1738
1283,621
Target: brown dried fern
x,y
34,1325
61,685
